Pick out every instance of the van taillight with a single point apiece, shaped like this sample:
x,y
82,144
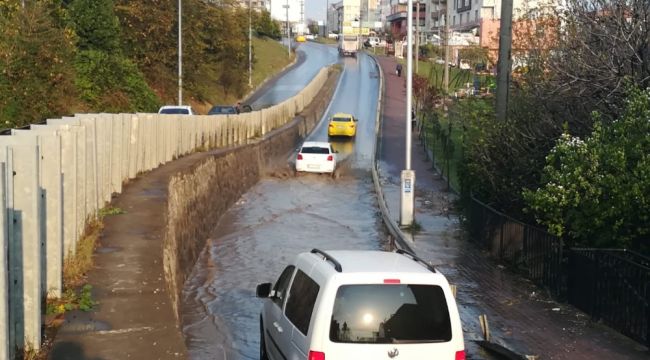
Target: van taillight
x,y
299,156
317,355
460,355
391,281
330,158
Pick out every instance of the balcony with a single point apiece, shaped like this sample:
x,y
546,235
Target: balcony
x,y
437,14
396,16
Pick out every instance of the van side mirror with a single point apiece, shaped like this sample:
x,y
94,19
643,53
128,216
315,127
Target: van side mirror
x,y
263,290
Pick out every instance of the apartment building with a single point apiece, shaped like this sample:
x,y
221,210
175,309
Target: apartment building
x,y
397,20
353,16
471,22
481,18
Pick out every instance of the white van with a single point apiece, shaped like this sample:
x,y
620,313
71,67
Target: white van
x,y
355,305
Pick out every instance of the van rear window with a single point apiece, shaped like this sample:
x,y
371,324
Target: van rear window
x,y
385,314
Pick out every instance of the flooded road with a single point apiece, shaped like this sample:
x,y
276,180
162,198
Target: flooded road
x,y
311,58
279,217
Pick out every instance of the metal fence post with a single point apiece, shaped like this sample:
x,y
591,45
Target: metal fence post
x,y
5,348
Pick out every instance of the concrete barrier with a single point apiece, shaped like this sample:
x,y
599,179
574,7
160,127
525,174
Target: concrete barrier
x,y
58,176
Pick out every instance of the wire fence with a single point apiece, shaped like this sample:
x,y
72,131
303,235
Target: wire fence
x,y
610,285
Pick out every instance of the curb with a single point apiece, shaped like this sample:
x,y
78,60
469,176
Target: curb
x,y
393,229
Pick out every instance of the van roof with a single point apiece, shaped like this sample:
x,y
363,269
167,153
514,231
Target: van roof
x,y
368,261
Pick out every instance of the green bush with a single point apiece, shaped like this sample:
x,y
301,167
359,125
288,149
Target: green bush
x,y
111,83
596,191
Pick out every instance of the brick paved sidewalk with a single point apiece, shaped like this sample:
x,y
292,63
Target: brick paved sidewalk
x,y
521,316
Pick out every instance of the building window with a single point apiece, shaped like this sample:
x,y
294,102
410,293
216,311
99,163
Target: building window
x,y
454,23
476,15
455,4
460,21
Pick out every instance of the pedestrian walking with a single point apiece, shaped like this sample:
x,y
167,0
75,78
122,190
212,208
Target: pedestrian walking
x,y
398,70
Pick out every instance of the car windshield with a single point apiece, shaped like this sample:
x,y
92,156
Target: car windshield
x,y
315,150
390,313
175,111
222,110
342,119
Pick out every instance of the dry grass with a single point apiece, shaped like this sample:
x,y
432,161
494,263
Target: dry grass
x,y
76,267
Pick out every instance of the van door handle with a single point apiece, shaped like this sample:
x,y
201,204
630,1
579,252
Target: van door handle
x,y
277,326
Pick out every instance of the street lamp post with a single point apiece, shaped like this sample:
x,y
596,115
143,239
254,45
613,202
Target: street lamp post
x,y
250,44
408,176
327,18
288,29
180,53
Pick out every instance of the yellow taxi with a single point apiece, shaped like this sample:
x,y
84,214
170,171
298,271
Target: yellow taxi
x,y
300,38
342,124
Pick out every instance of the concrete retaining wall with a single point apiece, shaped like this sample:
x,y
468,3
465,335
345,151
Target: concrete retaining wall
x,y
59,175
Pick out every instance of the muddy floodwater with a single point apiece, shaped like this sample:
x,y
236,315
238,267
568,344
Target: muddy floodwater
x,y
274,221
283,215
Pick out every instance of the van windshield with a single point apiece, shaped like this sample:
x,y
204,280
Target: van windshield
x,y
390,313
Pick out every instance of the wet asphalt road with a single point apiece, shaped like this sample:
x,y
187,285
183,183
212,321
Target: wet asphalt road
x,y
281,216
311,58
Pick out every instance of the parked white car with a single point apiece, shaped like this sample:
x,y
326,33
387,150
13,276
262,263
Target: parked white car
x,y
374,41
316,156
351,305
176,110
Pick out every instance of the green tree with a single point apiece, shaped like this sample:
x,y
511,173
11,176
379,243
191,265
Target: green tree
x,y
149,39
266,26
106,79
96,25
36,66
596,192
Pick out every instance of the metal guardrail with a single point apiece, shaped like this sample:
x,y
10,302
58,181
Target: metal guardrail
x,y
56,176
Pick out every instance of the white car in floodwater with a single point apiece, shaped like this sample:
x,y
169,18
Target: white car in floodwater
x,y
316,156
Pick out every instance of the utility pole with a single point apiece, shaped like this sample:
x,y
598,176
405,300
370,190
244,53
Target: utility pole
x,y
327,19
417,38
250,44
288,28
504,66
407,191
447,50
180,53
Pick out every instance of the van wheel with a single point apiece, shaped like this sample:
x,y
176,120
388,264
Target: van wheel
x,y
263,355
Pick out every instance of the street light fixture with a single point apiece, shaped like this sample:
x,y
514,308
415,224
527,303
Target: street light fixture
x,y
408,176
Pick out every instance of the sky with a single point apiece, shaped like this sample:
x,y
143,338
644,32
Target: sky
x,y
315,9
